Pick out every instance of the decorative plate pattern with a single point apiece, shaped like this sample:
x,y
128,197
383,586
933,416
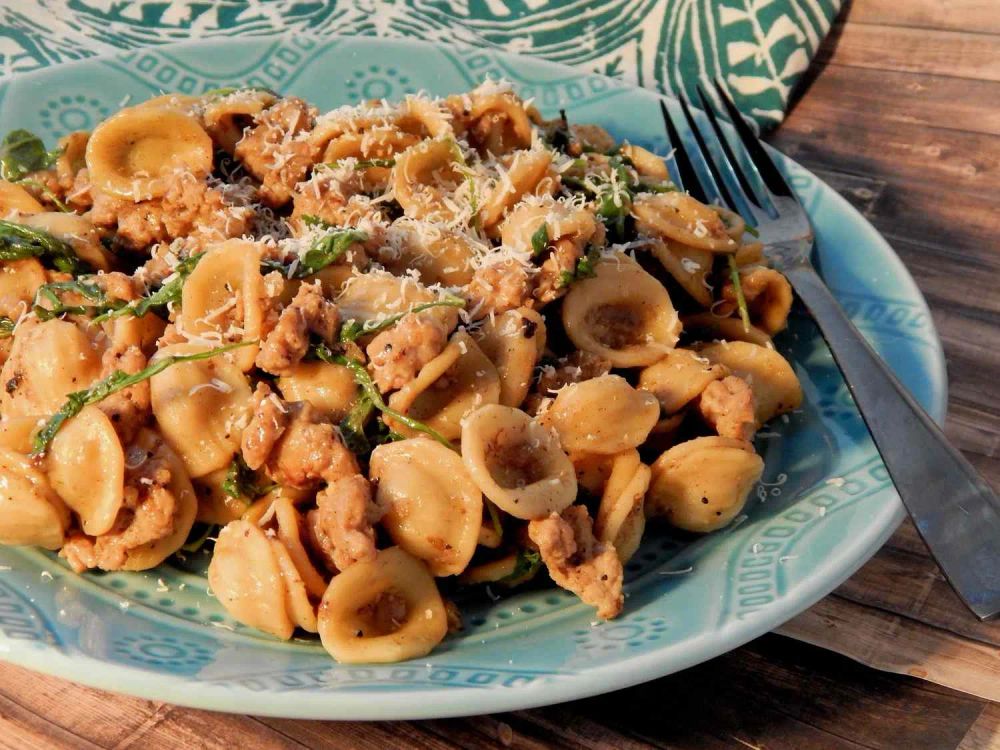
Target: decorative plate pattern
x,y
824,506
760,48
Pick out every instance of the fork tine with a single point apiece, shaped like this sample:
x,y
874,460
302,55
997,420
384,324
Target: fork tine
x,y
722,192
727,152
758,155
688,177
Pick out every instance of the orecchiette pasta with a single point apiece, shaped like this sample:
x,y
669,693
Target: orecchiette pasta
x,y
702,484
433,509
347,353
517,463
622,314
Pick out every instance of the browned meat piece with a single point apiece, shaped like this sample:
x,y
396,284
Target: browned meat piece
x,y
293,442
128,409
398,353
728,406
346,514
549,285
277,150
498,288
309,312
578,562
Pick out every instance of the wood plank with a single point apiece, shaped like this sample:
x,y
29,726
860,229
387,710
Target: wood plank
x,y
893,96
985,733
898,644
946,53
977,16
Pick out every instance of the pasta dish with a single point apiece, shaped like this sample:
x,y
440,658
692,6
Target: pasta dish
x,y
370,358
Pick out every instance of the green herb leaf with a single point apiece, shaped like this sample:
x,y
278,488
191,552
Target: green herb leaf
x,y
527,565
540,240
23,152
352,426
494,512
242,481
56,307
18,241
6,327
352,330
371,391
741,300
585,268
200,533
367,163
116,381
169,292
325,250
752,230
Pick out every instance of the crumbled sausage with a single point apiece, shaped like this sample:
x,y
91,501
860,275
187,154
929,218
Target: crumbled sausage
x,y
398,353
309,312
728,406
578,562
277,150
498,288
346,514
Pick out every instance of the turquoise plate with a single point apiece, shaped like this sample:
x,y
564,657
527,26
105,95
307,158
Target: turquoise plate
x,y
825,504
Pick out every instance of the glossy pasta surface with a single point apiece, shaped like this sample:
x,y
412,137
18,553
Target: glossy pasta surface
x,y
374,360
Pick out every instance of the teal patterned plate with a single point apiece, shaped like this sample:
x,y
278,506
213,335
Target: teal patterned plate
x,y
825,504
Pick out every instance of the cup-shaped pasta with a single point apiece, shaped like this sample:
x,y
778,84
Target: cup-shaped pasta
x,y
226,117
514,342
424,117
19,281
563,220
299,607
622,314
592,470
289,529
152,554
517,462
14,199
709,326
442,256
372,296
78,232
246,578
132,153
223,298
689,266
73,157
768,296
16,433
330,388
647,164
620,519
776,388
498,123
525,176
702,484
30,511
425,177
215,506
602,415
678,216
384,610
472,381
48,361
201,408
679,378
433,509
86,467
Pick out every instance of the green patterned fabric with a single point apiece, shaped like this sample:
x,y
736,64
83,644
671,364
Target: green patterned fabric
x,y
759,48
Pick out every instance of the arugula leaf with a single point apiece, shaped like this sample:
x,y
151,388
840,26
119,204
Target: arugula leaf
x,y
367,163
116,381
741,300
352,330
540,240
242,481
371,391
200,533
169,292
56,307
527,565
749,229
325,249
6,327
18,241
584,268
21,153
352,426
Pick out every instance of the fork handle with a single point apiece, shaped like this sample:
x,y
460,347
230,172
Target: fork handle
x,y
953,507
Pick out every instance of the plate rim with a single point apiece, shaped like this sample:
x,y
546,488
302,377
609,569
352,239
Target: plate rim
x,y
462,701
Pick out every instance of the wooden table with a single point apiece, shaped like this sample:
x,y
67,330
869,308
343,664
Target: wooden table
x,y
902,115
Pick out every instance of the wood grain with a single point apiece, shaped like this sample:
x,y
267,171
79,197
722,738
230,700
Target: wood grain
x,y
900,115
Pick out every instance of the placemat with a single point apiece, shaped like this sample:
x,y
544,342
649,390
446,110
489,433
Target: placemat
x,y
760,48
